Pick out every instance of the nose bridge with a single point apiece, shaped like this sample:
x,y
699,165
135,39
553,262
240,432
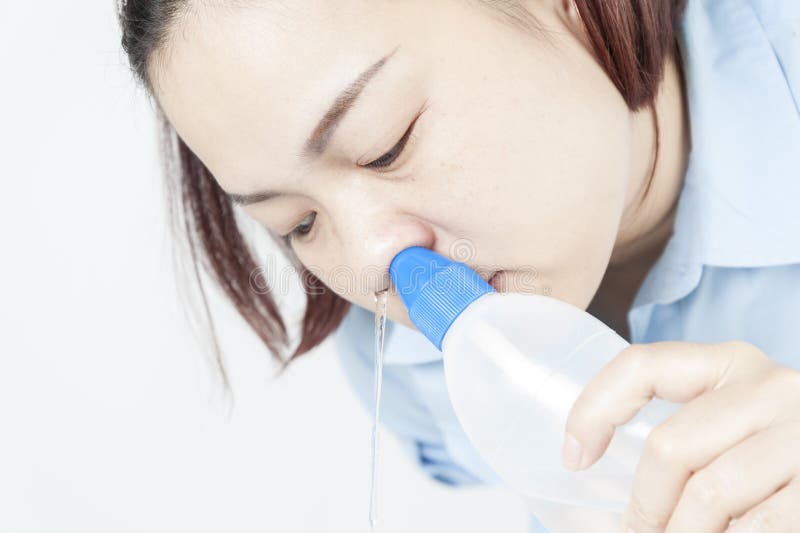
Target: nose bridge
x,y
370,231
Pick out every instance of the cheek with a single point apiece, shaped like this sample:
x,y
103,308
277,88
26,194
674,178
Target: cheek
x,y
582,175
543,166
565,200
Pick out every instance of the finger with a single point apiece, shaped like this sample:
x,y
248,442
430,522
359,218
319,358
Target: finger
x,y
674,371
675,449
780,513
738,480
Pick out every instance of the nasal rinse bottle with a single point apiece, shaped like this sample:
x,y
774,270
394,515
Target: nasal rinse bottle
x,y
514,364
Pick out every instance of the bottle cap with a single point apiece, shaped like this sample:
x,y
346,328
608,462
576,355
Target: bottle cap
x,y
434,289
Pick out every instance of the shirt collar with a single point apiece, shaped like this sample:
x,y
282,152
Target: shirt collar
x,y
739,202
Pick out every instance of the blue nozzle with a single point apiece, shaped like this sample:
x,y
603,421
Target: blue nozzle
x,y
434,289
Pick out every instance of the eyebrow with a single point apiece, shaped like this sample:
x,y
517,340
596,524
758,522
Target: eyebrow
x,y
321,136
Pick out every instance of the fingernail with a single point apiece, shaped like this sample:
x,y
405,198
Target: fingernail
x,y
571,452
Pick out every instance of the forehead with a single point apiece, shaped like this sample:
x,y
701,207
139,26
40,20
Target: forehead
x,y
242,84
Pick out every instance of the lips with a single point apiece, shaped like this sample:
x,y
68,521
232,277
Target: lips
x,y
496,280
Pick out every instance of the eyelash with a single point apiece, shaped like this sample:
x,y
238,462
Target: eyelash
x,y
391,156
296,231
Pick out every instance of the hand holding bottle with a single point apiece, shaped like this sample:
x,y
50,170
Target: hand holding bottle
x,y
730,452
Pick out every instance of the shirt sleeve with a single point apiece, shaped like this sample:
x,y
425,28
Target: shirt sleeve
x,y
405,416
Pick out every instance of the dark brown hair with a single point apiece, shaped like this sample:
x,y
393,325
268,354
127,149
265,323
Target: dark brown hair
x,y
630,39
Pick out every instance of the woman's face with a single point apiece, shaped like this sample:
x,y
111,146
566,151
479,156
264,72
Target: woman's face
x,y
465,134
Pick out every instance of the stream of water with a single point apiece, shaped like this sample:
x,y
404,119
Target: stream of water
x,y
380,328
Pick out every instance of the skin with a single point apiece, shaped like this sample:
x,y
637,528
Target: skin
x,y
539,173
740,473
524,159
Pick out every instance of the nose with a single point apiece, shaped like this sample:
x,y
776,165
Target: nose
x,y
369,240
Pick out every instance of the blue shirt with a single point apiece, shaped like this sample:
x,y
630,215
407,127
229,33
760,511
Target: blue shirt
x,y
730,270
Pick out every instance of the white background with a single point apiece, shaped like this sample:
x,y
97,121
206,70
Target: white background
x,y
109,419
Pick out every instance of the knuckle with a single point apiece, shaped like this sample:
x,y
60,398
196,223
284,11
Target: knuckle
x,y
763,520
642,518
745,349
780,387
708,488
635,356
737,345
662,445
785,379
744,360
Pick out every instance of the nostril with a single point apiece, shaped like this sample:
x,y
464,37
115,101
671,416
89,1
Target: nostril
x,y
377,280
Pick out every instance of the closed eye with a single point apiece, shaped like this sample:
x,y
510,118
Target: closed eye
x,y
389,157
302,229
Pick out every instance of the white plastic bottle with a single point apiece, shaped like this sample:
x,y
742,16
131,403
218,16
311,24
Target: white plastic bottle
x,y
514,364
